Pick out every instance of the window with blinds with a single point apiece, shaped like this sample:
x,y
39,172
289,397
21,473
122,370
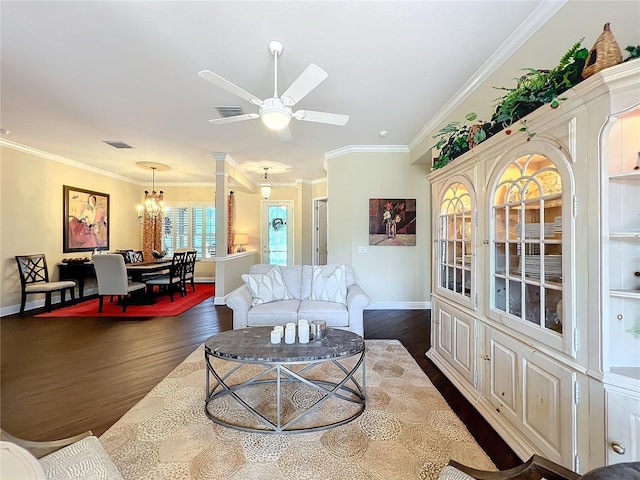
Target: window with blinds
x,y
190,226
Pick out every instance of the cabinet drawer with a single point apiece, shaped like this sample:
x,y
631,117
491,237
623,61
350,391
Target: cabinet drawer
x,y
623,427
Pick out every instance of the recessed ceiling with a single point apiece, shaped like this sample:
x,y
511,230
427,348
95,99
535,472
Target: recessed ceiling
x,y
75,73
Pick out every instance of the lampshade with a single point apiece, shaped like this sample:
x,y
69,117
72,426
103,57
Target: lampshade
x,y
241,238
265,189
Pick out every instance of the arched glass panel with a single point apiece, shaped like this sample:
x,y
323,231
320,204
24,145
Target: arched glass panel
x,y
527,242
454,244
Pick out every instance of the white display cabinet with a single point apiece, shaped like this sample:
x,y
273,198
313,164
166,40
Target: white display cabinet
x,y
536,279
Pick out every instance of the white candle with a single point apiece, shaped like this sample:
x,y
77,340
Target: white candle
x,y
280,330
303,331
290,333
275,336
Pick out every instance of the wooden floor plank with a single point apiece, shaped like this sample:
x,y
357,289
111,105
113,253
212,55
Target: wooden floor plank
x,y
62,376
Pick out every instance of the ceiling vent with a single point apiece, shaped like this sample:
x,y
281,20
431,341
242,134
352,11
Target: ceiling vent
x,y
229,111
117,144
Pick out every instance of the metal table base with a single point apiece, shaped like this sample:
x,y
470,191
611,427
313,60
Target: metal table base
x,y
275,375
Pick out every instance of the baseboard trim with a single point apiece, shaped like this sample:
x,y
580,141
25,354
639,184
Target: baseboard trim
x,y
399,306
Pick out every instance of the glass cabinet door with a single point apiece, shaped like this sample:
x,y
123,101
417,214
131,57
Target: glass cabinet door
x,y
455,246
527,243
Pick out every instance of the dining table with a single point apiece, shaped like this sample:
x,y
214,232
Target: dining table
x,y
80,271
136,270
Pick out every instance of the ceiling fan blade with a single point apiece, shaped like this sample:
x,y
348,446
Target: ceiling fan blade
x,y
285,134
235,118
321,117
230,87
312,76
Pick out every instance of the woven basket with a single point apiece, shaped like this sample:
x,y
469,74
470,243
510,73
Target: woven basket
x,y
604,53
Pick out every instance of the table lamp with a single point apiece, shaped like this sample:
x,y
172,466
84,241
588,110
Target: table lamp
x,y
241,239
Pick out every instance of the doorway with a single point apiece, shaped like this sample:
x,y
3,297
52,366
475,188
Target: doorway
x,y
277,232
320,252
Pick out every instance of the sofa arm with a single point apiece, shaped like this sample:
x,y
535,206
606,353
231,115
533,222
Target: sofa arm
x,y
240,302
357,300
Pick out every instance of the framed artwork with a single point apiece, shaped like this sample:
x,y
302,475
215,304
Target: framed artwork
x,y
85,225
392,221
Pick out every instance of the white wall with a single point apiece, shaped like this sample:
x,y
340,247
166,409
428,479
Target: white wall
x,y
392,276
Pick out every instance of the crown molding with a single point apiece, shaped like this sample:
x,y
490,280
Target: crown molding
x,y
311,182
366,149
531,25
57,158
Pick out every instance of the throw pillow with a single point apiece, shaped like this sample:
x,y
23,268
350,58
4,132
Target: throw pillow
x,y
329,284
266,287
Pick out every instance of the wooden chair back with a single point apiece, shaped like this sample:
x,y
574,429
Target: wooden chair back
x,y
32,268
126,255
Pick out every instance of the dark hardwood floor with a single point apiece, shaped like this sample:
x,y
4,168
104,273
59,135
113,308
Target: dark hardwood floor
x,y
63,376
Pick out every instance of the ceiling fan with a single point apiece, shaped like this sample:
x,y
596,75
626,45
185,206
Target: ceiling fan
x,y
276,111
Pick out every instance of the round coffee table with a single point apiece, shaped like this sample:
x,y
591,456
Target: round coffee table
x,y
286,388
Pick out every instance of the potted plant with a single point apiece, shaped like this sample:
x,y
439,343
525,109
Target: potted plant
x,y
534,89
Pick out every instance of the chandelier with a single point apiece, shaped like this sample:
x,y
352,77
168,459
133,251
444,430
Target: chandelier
x,y
153,206
265,186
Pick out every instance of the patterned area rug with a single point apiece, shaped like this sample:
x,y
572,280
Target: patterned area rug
x,y
407,431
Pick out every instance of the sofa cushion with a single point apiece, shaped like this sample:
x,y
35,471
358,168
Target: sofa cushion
x,y
291,274
266,287
305,286
274,313
329,283
335,314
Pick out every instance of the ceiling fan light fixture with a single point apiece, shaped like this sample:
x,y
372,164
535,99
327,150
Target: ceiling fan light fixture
x,y
275,119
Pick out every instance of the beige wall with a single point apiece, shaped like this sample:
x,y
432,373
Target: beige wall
x,y
31,213
393,277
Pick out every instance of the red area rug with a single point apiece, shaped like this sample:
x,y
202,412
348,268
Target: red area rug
x,y
162,308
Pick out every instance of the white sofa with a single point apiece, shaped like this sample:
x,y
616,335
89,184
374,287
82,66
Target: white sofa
x,y
327,292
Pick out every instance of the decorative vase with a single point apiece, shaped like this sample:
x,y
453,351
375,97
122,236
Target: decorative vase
x,y
391,229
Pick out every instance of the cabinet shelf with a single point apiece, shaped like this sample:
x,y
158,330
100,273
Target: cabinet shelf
x,y
633,175
625,293
630,372
624,235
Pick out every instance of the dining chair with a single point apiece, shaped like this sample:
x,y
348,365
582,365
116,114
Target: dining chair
x,y
126,255
171,280
111,274
188,272
136,256
34,278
